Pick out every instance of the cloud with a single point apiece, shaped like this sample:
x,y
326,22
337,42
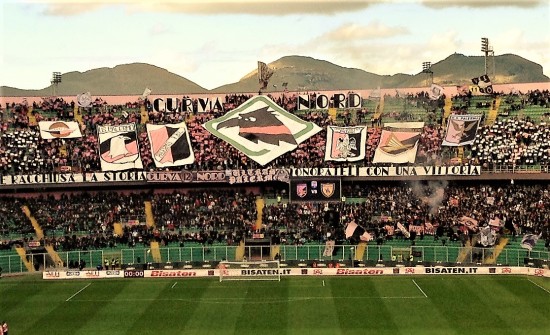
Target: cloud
x,y
353,31
70,9
440,4
211,7
382,56
159,29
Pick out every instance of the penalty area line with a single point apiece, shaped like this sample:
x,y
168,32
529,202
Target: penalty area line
x,y
82,289
545,290
421,290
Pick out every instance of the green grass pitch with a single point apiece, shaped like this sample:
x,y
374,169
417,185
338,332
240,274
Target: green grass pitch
x,y
307,305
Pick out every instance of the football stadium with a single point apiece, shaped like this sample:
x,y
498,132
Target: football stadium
x,y
270,214
416,206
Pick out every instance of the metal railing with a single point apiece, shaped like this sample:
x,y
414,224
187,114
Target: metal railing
x,y
41,261
374,253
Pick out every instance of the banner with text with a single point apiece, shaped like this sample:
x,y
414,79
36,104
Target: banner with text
x,y
461,130
118,147
170,144
345,143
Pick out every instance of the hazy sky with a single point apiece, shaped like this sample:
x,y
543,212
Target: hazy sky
x,y
218,42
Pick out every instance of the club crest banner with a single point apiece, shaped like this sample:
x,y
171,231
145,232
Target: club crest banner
x,y
345,143
261,129
84,99
170,144
461,130
398,143
118,148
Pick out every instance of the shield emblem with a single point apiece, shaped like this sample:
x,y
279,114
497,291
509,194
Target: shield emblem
x,y
301,190
327,189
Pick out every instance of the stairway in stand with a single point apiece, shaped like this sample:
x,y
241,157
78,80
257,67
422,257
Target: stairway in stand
x,y
493,113
379,108
460,153
239,252
492,259
118,229
447,110
260,203
144,115
155,252
37,229
360,251
23,254
54,256
77,115
32,118
57,261
149,217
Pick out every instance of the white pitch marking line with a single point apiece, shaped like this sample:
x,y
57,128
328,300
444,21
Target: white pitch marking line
x,y
239,300
174,284
539,286
421,290
82,289
323,283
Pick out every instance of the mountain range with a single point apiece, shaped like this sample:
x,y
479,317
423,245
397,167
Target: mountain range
x,y
299,72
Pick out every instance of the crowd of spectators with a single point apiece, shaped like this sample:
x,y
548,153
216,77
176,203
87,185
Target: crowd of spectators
x,y
511,141
83,221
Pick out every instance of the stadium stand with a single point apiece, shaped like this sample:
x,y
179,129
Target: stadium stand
x,y
202,218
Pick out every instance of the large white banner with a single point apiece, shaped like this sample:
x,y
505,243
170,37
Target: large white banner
x,y
59,129
118,148
261,129
345,143
398,143
461,130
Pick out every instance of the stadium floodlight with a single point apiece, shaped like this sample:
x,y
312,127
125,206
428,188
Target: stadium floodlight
x,y
426,67
56,78
484,44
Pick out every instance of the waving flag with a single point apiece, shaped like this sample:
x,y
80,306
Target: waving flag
x,y
264,74
469,222
403,230
118,147
170,144
398,143
487,237
358,232
145,94
484,84
261,129
529,241
461,130
59,129
345,143
435,92
84,99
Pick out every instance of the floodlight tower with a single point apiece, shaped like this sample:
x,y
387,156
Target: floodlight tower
x,y
489,57
56,79
427,69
